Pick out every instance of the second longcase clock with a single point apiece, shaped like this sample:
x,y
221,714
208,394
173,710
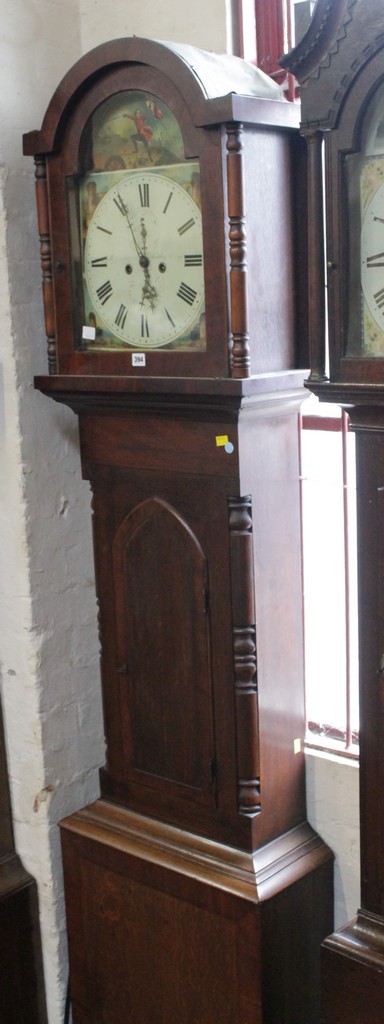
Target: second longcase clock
x,y
343,114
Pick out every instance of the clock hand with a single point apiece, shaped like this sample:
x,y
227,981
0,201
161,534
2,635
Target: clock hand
x,y
143,232
149,293
124,209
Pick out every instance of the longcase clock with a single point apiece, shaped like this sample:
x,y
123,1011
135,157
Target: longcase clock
x,y
343,114
195,888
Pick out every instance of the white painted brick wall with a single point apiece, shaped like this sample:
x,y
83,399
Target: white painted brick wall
x,y
333,810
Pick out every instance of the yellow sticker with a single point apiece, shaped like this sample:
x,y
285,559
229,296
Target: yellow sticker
x,y
296,746
221,440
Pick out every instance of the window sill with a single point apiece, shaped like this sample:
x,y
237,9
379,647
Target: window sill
x,y
332,749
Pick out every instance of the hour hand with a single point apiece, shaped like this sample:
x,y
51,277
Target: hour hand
x,y
149,293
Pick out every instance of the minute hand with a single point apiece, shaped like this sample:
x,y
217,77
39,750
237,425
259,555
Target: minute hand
x,y
124,210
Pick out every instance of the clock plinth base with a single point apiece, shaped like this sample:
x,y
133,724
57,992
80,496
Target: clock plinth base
x,y
164,925
352,972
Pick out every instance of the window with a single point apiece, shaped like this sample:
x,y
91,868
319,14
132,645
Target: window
x,y
328,488
268,29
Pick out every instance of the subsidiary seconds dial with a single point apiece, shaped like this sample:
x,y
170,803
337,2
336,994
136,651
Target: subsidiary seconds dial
x,y
144,261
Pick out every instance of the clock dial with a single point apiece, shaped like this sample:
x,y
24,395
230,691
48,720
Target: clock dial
x,y
143,261
372,258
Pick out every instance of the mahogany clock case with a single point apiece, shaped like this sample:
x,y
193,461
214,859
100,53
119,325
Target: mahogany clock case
x,y
343,111
200,838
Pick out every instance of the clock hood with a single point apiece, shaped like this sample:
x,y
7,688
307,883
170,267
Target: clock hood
x,y
212,81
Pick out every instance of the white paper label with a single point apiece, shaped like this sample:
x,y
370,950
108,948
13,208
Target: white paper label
x,y
88,333
138,359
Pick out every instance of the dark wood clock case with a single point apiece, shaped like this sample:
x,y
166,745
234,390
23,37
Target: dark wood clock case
x,y
339,84
195,888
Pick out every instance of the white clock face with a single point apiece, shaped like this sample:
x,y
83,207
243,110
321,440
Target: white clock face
x,y
372,257
143,261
